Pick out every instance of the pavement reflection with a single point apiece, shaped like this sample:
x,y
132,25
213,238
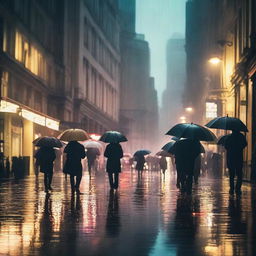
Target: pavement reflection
x,y
146,216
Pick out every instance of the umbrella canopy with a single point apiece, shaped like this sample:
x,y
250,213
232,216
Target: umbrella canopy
x,y
47,142
191,131
142,152
92,144
168,147
74,135
163,153
227,123
113,137
222,139
94,151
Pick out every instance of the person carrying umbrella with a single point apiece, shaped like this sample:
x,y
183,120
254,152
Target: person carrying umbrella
x,y
75,152
234,145
113,153
139,157
91,155
45,157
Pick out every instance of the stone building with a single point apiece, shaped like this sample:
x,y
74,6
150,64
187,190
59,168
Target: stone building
x,y
223,32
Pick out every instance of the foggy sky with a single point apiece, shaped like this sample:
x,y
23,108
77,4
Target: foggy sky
x,y
159,20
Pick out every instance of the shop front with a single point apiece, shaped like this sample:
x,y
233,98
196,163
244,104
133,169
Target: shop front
x,y
19,126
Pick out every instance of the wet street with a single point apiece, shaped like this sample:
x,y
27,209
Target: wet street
x,y
146,216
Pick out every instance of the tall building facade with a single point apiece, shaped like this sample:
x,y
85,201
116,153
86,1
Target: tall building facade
x,y
138,101
31,58
172,99
224,30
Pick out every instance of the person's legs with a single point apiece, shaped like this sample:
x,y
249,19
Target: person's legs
x,y
78,181
45,182
189,181
72,183
231,180
239,173
50,180
110,178
116,177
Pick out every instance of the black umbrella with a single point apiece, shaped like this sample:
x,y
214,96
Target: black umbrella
x,y
191,131
142,152
222,140
227,123
168,147
47,142
113,137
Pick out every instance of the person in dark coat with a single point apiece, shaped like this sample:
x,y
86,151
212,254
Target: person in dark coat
x,y
234,145
186,151
163,164
113,153
140,159
45,157
75,152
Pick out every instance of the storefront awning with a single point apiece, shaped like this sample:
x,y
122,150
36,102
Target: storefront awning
x,y
11,106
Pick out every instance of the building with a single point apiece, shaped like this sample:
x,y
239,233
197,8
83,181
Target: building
x,y
93,62
31,70
224,30
138,101
172,98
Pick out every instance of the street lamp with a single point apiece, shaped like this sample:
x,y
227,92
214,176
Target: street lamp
x,y
183,119
214,60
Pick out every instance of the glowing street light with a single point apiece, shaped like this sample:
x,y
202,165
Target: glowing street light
x,y
183,119
189,109
214,60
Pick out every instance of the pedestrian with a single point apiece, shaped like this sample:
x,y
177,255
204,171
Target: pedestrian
x,y
163,164
140,159
186,151
75,153
197,168
45,157
113,153
234,145
91,155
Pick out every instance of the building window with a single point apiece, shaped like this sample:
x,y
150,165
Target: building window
x,y
211,110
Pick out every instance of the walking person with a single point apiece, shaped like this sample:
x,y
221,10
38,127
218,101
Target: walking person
x,y
45,157
163,164
113,153
234,145
75,152
91,155
186,151
140,159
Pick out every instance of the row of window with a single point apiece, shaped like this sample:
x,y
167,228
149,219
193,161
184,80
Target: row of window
x,y
105,18
98,49
98,91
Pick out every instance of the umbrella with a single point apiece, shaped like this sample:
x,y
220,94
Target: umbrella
x,y
92,144
163,153
113,137
142,152
74,135
227,123
168,147
94,151
222,140
47,142
191,131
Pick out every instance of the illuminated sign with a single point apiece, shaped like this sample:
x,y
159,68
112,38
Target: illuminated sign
x,y
8,107
211,110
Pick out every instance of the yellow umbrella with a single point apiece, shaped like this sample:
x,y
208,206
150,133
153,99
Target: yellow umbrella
x,y
74,135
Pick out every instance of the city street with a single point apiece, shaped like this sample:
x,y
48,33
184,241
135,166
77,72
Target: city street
x,y
146,216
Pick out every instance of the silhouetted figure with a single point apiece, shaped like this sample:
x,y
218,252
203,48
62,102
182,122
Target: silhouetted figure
x,y
91,155
45,157
113,153
234,144
186,151
197,168
75,152
140,159
163,164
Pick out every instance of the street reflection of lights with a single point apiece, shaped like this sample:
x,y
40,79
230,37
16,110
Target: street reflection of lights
x,y
211,249
214,60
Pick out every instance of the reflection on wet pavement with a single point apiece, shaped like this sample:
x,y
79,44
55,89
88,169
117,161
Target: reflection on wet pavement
x,y
146,216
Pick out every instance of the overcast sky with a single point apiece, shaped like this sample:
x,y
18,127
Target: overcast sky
x,y
159,20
